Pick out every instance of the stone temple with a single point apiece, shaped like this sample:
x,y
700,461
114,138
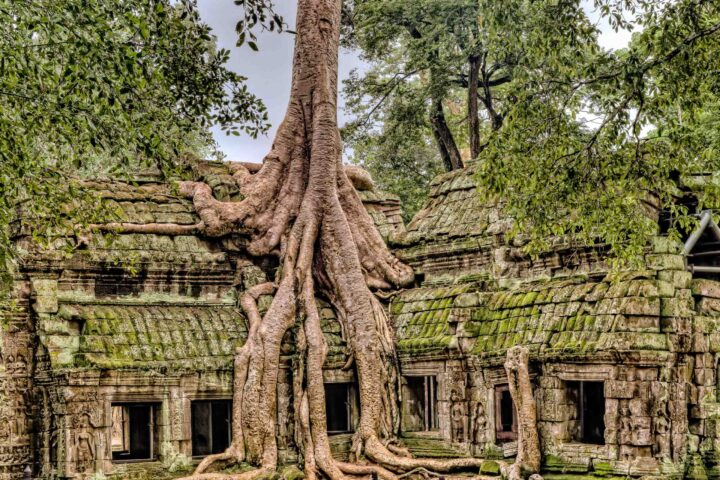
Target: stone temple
x,y
116,358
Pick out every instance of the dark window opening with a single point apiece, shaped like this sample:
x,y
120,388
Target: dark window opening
x,y
588,398
506,423
211,426
420,405
134,433
117,282
339,405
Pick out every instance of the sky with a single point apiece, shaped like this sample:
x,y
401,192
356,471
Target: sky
x,y
269,70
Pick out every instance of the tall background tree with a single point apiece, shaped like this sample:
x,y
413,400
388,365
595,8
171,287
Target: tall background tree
x,y
586,152
576,139
447,72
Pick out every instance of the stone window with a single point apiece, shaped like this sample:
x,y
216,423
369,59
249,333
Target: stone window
x,y
587,409
506,422
116,282
134,432
211,426
420,404
339,400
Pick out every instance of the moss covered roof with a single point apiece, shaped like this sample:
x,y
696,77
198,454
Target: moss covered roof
x,y
453,210
151,336
553,317
457,233
174,337
423,318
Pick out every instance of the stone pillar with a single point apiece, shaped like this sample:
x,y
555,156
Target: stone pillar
x,y
175,435
84,428
16,357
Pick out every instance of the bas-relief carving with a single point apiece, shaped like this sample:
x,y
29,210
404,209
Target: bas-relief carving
x,y
457,417
177,415
84,447
457,386
661,426
479,423
85,420
15,404
285,424
50,435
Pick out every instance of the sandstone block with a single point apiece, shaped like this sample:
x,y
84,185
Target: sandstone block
x,y
708,305
632,323
679,279
44,292
705,287
676,307
619,389
666,245
630,306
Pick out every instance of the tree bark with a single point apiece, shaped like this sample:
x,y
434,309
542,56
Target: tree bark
x,y
496,118
444,153
301,206
473,118
443,136
528,457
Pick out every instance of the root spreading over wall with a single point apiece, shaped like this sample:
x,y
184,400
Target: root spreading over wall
x,y
301,207
528,458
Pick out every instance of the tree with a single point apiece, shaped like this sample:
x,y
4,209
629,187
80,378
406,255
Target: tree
x,y
590,152
302,207
459,64
402,159
105,88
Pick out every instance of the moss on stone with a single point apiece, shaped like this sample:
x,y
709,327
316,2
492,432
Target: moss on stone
x,y
490,468
291,472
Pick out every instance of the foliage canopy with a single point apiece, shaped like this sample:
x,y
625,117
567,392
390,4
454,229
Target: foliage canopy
x,y
579,140
108,87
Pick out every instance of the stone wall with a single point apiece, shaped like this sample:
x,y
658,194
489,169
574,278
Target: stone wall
x,y
16,394
649,335
151,318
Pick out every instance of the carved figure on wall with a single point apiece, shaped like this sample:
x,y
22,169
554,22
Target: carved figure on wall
x,y
625,432
20,418
284,416
7,424
661,428
479,424
84,445
19,367
662,439
457,416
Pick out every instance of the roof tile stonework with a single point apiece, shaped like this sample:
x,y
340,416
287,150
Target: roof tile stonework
x,y
155,336
457,237
555,318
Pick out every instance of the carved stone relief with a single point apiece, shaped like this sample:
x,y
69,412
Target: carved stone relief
x,y
457,417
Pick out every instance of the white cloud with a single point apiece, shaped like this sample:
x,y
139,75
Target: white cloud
x,y
608,38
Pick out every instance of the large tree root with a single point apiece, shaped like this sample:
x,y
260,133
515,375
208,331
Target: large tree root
x,y
249,475
528,458
301,206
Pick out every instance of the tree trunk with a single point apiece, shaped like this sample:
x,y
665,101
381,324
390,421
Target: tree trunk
x,y
444,154
444,137
302,207
496,119
473,118
528,457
